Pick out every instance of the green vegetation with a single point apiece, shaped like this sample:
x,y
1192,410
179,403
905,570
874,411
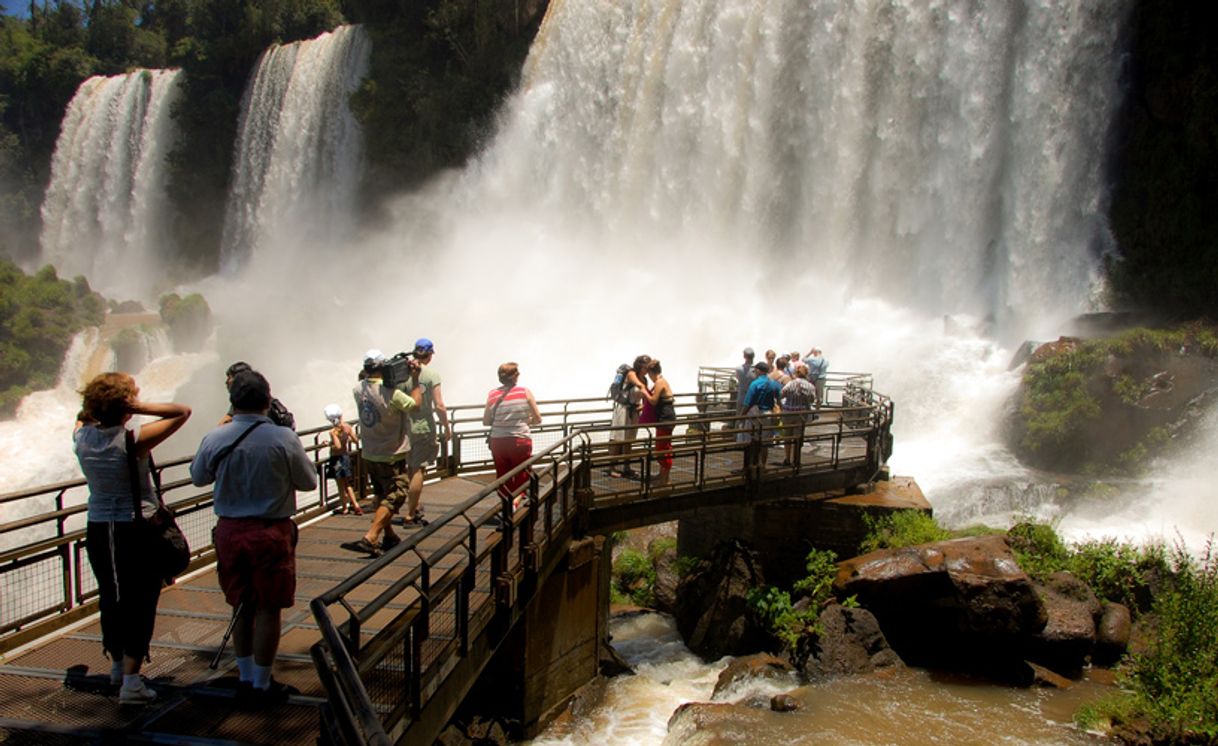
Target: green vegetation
x,y
790,623
39,314
1116,571
901,528
188,319
1171,685
439,70
634,577
1067,393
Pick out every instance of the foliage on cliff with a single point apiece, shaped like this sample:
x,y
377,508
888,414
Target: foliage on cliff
x,y
39,314
189,320
1166,161
1111,403
439,70
1168,688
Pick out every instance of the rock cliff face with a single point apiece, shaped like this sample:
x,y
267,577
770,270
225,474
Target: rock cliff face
x,y
712,604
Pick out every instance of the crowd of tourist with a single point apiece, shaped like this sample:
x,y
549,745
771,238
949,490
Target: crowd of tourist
x,y
255,463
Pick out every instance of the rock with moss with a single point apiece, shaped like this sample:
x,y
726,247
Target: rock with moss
x,y
189,321
1112,404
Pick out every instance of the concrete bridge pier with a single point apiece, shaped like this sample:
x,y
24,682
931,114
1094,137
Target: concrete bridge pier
x,y
783,531
554,648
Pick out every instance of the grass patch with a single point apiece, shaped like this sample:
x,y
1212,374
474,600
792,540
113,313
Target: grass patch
x,y
901,528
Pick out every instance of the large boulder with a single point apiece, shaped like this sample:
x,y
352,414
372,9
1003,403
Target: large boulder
x,y
712,603
715,724
664,590
1112,634
1069,634
850,642
963,604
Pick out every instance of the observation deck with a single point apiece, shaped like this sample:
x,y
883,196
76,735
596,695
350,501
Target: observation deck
x,y
383,650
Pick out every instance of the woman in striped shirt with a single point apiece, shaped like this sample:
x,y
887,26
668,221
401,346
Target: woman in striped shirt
x,y
510,410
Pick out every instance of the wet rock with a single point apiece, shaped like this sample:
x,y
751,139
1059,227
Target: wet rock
x,y
714,724
1112,634
611,662
1068,636
752,667
712,603
963,604
1046,679
479,732
664,590
850,642
784,703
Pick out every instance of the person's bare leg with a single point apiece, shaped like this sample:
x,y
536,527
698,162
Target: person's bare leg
x,y
415,495
266,627
243,635
380,524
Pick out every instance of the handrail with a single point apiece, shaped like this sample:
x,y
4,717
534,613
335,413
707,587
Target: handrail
x,y
381,681
494,551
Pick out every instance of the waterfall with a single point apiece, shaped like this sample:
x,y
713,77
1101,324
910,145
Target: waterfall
x,y
943,154
299,149
105,214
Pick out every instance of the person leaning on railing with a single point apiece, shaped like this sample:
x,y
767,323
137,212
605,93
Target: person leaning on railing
x,y
510,410
128,586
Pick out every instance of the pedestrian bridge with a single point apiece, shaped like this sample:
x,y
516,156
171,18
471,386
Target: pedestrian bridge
x,y
384,650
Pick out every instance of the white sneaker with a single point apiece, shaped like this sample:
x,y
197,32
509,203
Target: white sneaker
x,y
136,695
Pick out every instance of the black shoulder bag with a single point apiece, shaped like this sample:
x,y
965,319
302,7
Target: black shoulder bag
x,y
167,547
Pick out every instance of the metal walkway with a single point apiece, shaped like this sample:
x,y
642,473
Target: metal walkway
x,y
411,625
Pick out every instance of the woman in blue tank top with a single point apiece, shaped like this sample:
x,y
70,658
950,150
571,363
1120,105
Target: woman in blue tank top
x,y
128,588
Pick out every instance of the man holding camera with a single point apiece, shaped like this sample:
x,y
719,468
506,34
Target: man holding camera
x,y
385,440
424,446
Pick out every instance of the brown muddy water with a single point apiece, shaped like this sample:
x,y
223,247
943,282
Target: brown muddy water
x,y
907,707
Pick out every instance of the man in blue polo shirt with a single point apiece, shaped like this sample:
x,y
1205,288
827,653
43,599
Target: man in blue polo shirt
x,y
256,468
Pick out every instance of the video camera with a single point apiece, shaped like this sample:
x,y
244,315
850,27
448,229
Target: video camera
x,y
397,369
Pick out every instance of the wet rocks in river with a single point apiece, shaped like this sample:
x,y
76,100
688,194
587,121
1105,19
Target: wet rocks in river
x,y
1112,635
1069,634
712,603
850,642
664,590
784,703
753,668
962,604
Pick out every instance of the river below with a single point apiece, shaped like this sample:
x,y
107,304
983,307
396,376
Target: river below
x,y
909,706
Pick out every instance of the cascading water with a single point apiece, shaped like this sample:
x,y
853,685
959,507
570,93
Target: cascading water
x,y
106,212
945,155
299,149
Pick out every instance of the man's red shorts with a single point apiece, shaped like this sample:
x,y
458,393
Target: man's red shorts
x,y
256,561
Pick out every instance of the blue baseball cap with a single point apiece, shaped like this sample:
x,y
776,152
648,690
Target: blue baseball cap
x,y
424,346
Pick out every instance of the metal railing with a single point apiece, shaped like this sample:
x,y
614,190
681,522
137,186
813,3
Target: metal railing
x,y
433,624
45,576
389,657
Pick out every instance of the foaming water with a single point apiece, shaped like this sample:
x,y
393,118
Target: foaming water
x,y
636,708
37,442
901,707
1177,502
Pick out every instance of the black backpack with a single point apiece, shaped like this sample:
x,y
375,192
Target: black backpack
x,y
619,390
280,415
